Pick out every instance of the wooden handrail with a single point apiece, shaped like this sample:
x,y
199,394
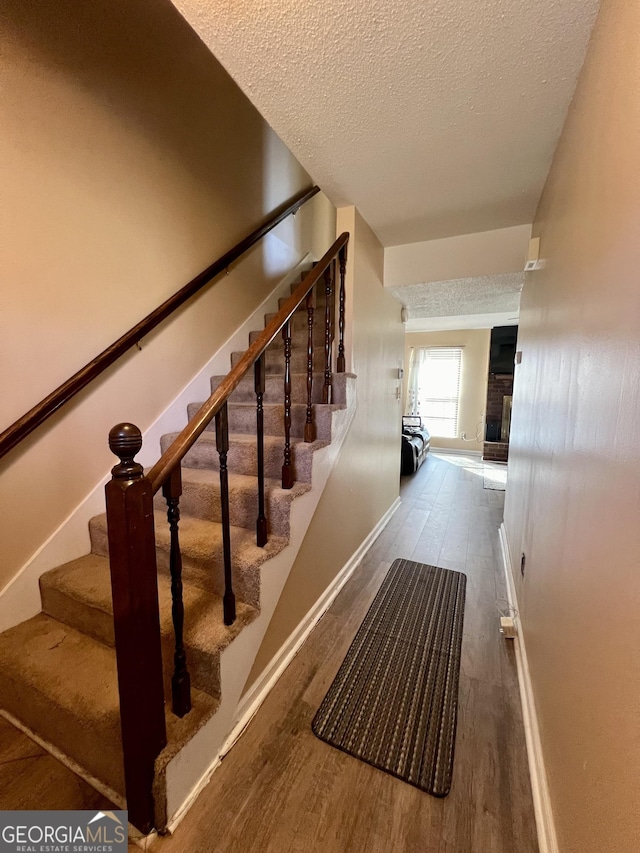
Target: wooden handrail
x,y
174,454
36,416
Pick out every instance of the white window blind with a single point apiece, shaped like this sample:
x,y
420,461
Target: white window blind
x,y
439,390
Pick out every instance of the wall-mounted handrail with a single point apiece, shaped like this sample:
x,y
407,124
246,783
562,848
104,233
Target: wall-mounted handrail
x,y
36,416
205,414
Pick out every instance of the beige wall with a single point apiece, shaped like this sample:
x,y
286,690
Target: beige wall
x,y
130,161
573,498
467,256
365,481
473,382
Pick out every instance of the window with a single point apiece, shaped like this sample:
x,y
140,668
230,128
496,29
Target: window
x,y
434,388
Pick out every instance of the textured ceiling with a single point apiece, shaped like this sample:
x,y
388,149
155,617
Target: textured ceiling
x,y
481,295
433,117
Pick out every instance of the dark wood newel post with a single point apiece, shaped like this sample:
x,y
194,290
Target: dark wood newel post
x,y
134,583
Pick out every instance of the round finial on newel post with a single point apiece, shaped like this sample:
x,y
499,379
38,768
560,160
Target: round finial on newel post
x,y
125,440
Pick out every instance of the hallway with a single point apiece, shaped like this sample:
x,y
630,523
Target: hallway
x,y
280,789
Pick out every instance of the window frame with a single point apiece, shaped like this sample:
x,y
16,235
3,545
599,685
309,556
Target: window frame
x,y
434,354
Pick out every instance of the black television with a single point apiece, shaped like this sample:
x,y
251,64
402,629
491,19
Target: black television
x,y
503,349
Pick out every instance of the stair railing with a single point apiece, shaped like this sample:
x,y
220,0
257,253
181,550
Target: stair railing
x,y
36,416
131,530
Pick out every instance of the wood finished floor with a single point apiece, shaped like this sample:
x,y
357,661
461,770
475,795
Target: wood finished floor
x,y
281,789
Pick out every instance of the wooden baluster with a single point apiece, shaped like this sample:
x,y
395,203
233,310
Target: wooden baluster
x,y
222,444
287,468
334,278
261,523
310,427
180,680
328,331
341,361
136,622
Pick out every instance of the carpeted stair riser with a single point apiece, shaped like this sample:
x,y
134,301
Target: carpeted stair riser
x,y
299,323
79,595
242,456
202,556
319,287
319,309
62,684
274,360
71,729
274,388
242,419
201,499
299,338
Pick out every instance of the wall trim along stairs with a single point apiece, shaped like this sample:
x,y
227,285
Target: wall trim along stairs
x,y
545,825
20,598
257,694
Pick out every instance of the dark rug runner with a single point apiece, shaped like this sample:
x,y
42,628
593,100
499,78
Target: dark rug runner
x,y
394,700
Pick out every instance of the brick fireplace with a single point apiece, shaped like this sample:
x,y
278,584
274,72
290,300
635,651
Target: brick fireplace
x,y
499,392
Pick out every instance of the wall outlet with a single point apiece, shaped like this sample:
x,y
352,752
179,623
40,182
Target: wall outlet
x,y
523,560
507,627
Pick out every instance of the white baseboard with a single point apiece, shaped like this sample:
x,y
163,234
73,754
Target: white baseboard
x,y
259,691
256,695
547,840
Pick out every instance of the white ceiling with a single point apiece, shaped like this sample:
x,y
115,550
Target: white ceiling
x,y
455,322
433,117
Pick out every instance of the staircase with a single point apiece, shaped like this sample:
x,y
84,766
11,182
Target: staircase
x,y
58,672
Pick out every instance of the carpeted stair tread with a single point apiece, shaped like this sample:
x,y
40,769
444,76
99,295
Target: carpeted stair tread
x,y
62,685
320,303
201,499
299,335
274,360
274,388
201,546
79,594
299,322
319,287
242,418
242,456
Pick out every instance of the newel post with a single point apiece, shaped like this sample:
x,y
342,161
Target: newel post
x,y
136,620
